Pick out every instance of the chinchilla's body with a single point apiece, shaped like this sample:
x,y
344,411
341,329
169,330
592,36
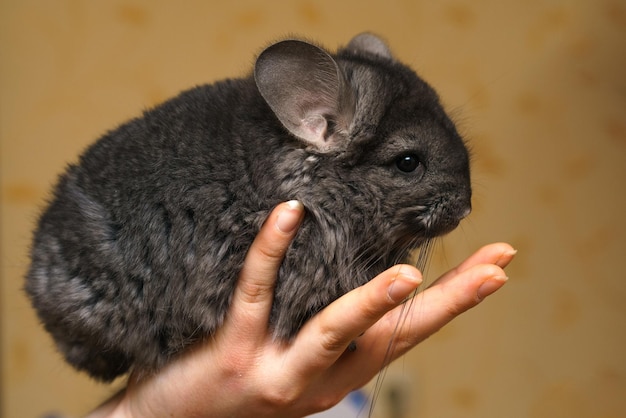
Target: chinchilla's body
x,y
138,254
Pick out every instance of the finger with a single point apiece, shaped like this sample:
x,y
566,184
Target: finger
x,y
327,335
412,322
436,306
499,254
252,300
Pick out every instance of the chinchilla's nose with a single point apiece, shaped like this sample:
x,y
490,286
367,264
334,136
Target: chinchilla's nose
x,y
467,211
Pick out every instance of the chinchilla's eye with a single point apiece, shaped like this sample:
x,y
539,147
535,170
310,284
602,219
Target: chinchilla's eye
x,y
408,163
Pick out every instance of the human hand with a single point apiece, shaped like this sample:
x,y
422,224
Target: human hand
x,y
242,371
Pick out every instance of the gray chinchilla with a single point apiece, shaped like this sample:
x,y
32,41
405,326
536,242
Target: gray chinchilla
x,y
138,253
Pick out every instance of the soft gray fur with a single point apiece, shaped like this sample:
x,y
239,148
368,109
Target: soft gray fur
x,y
138,253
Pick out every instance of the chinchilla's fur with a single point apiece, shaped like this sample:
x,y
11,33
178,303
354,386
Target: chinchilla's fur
x,y
138,253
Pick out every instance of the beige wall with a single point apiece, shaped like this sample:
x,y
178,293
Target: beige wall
x,y
538,87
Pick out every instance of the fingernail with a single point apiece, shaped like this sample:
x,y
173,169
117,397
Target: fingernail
x,y
402,285
491,285
505,258
289,218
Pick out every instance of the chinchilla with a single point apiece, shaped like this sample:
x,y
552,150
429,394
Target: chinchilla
x,y
137,254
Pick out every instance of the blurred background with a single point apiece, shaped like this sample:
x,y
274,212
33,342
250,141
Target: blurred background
x,y
538,88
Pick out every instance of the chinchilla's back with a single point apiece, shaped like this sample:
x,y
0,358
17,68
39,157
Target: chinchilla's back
x,y
142,234
138,253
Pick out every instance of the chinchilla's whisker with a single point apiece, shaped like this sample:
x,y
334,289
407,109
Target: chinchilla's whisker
x,y
422,263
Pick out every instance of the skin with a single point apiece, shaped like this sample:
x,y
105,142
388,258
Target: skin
x,y
243,372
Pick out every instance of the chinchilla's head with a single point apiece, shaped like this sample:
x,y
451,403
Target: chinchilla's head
x,y
377,151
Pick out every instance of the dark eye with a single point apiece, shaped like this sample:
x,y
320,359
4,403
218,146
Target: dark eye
x,y
408,163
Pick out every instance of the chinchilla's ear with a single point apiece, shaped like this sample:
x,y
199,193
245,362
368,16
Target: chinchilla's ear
x,y
306,89
369,43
